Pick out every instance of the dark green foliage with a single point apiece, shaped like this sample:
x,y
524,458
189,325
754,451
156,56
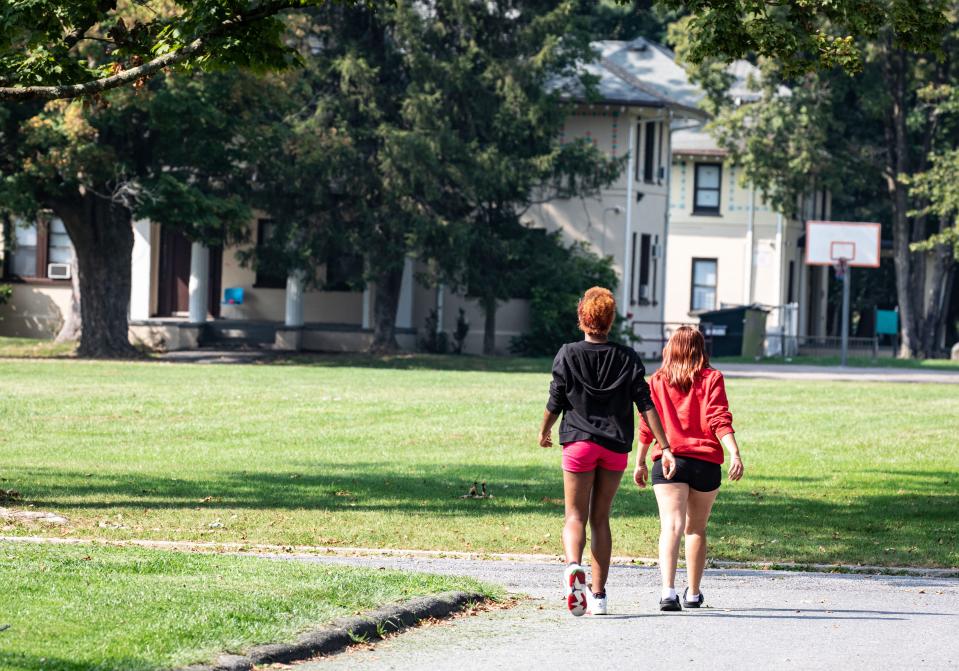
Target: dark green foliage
x,y
434,341
66,48
558,276
6,291
805,35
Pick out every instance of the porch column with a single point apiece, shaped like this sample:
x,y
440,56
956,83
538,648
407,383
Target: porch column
x,y
367,299
294,300
199,282
404,310
140,271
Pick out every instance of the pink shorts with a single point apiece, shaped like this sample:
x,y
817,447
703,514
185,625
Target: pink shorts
x,y
584,456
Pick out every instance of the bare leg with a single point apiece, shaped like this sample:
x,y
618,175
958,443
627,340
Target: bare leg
x,y
578,488
697,515
671,500
601,538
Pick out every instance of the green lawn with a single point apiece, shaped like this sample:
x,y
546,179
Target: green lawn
x,y
853,361
356,452
88,607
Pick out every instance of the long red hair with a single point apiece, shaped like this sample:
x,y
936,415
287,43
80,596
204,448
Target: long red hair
x,y
684,357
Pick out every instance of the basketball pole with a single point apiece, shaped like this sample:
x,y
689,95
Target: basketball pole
x,y
844,266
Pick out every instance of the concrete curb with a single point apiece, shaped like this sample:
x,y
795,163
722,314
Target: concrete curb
x,y
301,551
344,632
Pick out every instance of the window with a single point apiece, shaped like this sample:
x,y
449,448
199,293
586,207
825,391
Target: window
x,y
650,162
645,251
37,245
708,182
643,244
703,295
789,293
344,272
267,277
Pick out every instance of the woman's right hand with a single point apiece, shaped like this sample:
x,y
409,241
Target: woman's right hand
x,y
735,468
545,438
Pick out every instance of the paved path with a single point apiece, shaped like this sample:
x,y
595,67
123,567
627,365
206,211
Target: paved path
x,y
757,620
836,373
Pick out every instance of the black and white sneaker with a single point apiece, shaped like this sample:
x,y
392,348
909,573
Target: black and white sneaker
x,y
670,604
692,604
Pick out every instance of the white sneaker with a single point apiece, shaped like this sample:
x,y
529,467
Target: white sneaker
x,y
574,579
596,604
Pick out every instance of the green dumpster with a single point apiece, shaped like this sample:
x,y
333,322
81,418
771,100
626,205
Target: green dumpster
x,y
736,331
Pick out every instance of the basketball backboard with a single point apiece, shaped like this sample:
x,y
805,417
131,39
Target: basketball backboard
x,y
829,242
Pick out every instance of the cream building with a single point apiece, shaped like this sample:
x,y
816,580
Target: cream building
x,y
727,247
672,260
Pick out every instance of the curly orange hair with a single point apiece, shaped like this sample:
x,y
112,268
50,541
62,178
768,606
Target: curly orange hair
x,y
597,309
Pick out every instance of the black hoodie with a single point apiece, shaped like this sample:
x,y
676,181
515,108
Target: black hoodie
x,y
595,386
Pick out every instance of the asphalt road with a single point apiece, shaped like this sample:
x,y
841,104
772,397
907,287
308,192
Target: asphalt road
x,y
756,620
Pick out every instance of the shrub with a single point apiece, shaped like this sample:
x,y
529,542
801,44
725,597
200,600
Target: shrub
x,y
558,276
462,329
433,341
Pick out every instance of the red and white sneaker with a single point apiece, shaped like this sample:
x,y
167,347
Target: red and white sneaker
x,y
574,579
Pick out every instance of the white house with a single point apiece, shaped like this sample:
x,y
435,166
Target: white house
x,y
727,247
676,223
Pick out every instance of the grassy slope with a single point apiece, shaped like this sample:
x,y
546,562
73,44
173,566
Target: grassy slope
x,y
343,454
84,607
34,348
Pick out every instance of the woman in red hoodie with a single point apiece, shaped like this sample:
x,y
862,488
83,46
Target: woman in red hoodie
x,y
690,398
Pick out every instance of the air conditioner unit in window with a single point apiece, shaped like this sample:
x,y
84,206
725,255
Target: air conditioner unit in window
x,y
655,251
58,271
644,292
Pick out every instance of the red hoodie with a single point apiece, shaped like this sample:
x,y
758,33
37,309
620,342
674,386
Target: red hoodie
x,y
694,421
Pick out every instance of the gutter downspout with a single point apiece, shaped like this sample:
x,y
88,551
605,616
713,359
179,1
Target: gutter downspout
x,y
666,216
750,260
630,174
780,252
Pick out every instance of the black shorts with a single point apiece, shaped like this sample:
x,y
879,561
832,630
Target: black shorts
x,y
703,476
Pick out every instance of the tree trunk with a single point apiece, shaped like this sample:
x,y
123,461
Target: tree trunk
x,y
489,306
102,235
70,331
939,265
386,299
897,141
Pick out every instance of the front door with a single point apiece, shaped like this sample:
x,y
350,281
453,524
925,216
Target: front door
x,y
173,282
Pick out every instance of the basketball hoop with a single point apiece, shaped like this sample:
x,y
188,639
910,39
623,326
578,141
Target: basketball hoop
x,y
843,245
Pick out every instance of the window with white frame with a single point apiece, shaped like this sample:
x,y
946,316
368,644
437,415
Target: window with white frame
x,y
708,182
703,294
35,246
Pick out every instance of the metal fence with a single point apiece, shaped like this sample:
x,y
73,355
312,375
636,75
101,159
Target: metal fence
x,y
653,336
821,346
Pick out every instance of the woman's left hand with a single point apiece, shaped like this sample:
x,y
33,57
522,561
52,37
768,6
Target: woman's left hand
x,y
545,438
735,468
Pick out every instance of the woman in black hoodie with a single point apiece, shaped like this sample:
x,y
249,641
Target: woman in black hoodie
x,y
595,385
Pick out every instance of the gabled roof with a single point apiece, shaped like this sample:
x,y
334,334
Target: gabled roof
x,y
640,73
645,74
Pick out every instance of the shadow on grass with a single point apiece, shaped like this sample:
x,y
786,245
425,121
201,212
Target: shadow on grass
x,y
31,662
913,525
461,362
